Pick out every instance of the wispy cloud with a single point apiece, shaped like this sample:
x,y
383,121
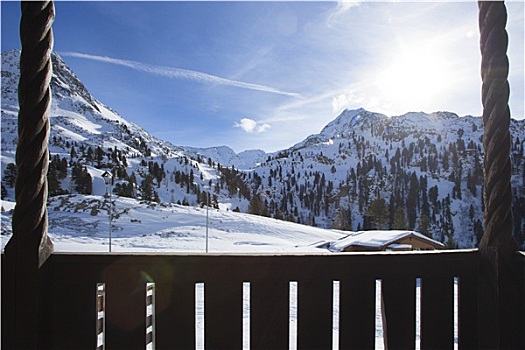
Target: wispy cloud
x,y
178,73
343,6
251,126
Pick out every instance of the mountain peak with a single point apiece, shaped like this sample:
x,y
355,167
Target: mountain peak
x,y
226,156
75,114
348,120
65,83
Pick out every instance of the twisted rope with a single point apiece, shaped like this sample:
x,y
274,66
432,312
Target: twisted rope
x,y
497,194
32,156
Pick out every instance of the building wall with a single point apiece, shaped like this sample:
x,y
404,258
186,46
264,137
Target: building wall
x,y
417,243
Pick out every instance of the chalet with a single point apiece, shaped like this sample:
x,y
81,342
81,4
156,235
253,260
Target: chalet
x,y
385,241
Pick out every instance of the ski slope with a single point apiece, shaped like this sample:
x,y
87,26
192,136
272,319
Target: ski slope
x,y
80,223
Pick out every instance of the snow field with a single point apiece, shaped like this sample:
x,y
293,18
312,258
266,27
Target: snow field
x,y
150,227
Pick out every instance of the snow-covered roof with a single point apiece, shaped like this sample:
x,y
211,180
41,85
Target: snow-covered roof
x,y
377,239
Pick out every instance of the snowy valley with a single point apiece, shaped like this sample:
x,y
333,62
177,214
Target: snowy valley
x,y
363,171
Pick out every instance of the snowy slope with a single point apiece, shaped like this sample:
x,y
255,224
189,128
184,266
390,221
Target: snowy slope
x,y
81,223
75,116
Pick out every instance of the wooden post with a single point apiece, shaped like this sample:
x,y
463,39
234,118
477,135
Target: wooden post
x,y
501,290
29,247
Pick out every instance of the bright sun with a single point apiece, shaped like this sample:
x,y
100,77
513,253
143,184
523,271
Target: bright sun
x,y
414,78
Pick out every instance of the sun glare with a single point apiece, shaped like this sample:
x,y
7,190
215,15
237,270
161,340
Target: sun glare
x,y
414,78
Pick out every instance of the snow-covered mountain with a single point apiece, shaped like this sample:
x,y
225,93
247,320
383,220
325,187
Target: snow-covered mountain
x,y
363,170
423,169
75,115
224,155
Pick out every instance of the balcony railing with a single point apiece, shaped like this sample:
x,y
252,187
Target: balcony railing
x,y
87,294
141,301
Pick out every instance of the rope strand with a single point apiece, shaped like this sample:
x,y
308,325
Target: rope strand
x,y
32,156
497,194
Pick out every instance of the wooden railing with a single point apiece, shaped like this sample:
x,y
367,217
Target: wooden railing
x,y
75,288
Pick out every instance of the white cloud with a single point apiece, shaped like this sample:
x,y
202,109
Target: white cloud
x,y
344,100
178,73
263,127
251,126
343,6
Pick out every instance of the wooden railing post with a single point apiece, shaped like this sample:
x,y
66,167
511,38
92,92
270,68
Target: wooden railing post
x,y
29,246
501,286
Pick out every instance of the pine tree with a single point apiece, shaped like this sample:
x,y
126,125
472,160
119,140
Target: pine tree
x,y
264,210
99,155
10,173
53,185
204,199
82,179
378,214
89,155
125,189
400,219
433,194
73,153
146,187
255,206
88,181
62,169
478,230
423,225
412,201
445,161
448,225
278,215
156,197
4,192
471,184
341,220
290,217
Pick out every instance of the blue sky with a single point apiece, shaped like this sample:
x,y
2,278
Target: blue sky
x,y
268,74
